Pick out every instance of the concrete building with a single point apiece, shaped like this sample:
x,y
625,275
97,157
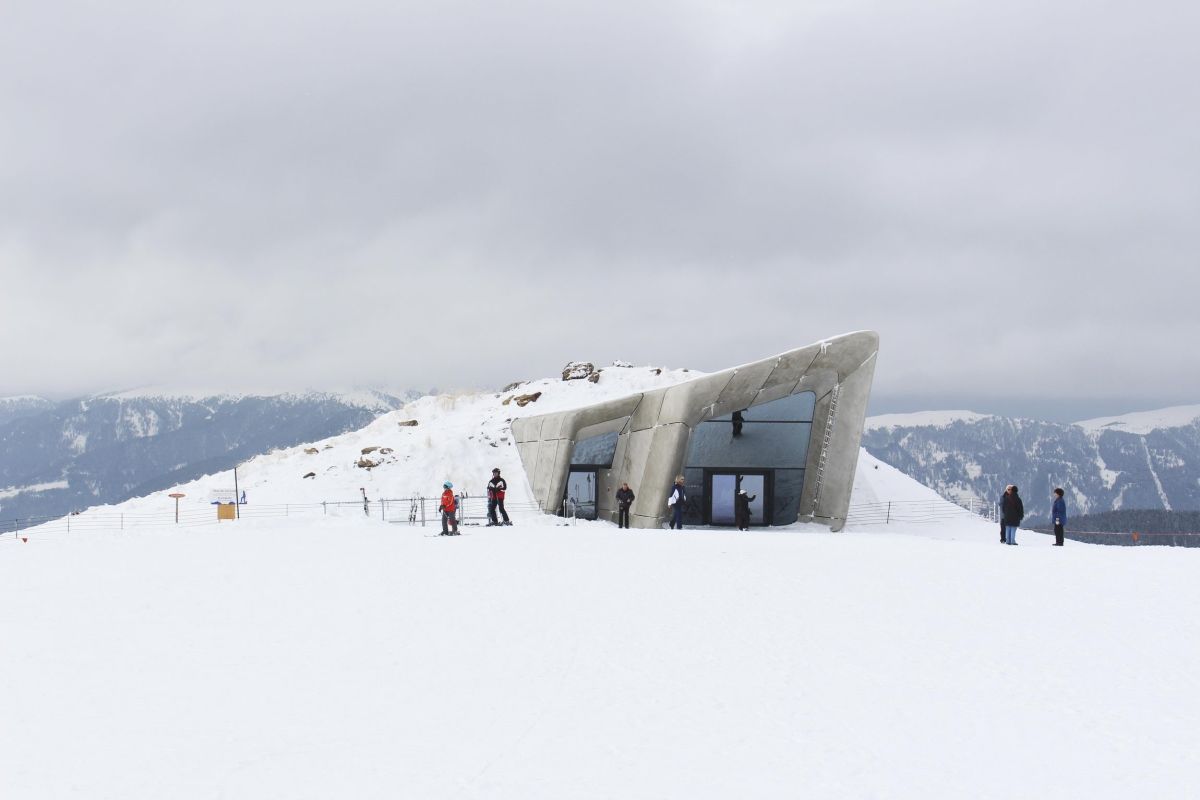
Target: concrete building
x,y
786,429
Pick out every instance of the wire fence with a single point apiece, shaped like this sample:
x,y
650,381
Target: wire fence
x,y
418,510
887,512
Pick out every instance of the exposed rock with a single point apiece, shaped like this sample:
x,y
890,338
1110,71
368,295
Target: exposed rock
x,y
367,463
312,451
310,475
408,423
512,386
526,399
577,370
385,451
657,371
507,400
327,447
594,377
369,450
624,364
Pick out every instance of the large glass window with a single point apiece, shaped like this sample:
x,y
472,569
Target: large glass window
x,y
771,439
596,451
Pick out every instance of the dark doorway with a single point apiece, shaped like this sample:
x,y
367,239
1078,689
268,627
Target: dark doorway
x,y
581,492
722,485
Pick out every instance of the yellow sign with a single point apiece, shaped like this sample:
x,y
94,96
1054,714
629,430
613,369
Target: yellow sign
x,y
226,511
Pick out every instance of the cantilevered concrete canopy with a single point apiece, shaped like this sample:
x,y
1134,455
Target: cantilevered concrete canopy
x,y
654,429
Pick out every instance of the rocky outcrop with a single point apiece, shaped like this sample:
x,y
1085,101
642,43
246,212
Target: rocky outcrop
x,y
577,370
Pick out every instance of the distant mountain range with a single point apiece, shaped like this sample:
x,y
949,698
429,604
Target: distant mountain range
x,y
1145,460
58,457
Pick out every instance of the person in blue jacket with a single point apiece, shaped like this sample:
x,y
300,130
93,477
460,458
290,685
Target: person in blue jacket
x,y
1059,514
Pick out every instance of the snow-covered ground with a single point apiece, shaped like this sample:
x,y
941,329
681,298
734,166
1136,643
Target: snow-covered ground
x,y
343,656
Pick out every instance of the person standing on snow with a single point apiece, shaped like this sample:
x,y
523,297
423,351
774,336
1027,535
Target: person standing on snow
x,y
1014,512
448,506
1058,513
625,499
1003,529
741,509
495,493
675,502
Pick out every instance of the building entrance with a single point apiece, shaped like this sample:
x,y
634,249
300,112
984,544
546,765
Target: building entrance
x,y
724,485
581,492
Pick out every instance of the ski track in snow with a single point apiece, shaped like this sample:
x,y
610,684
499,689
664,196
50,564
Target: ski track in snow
x,y
1162,495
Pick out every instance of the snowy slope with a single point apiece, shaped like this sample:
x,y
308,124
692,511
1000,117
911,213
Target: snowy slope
x,y
343,656
457,437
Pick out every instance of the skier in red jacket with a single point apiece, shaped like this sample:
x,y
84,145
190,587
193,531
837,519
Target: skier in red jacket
x,y
448,507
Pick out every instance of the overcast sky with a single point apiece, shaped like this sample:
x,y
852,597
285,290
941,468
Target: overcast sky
x,y
233,195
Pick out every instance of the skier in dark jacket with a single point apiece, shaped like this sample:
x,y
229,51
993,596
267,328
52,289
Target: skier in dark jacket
x,y
741,509
1058,513
625,499
675,502
495,492
1014,512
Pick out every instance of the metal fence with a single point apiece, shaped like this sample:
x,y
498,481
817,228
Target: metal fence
x,y
886,512
418,510
415,510
1129,538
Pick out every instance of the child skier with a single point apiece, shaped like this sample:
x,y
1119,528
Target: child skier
x,y
448,507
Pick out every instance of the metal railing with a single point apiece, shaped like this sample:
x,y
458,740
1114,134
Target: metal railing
x,y
418,510
886,512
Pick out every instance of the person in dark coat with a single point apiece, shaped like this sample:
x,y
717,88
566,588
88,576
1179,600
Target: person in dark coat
x,y
1014,512
1003,530
1058,513
741,509
495,492
625,499
675,502
738,421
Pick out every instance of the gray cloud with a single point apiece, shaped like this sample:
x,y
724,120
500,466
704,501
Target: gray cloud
x,y
464,193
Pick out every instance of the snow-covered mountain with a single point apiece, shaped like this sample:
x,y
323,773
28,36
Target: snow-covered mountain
x,y
60,457
1144,460
22,406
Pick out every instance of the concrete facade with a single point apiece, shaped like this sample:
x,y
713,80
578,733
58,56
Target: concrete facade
x,y
654,429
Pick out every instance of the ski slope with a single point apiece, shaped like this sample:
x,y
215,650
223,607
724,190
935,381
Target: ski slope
x,y
343,656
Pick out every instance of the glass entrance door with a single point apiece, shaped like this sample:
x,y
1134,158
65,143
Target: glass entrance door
x,y
723,486
581,492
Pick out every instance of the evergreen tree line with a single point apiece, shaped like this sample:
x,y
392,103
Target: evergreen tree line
x,y
1144,526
